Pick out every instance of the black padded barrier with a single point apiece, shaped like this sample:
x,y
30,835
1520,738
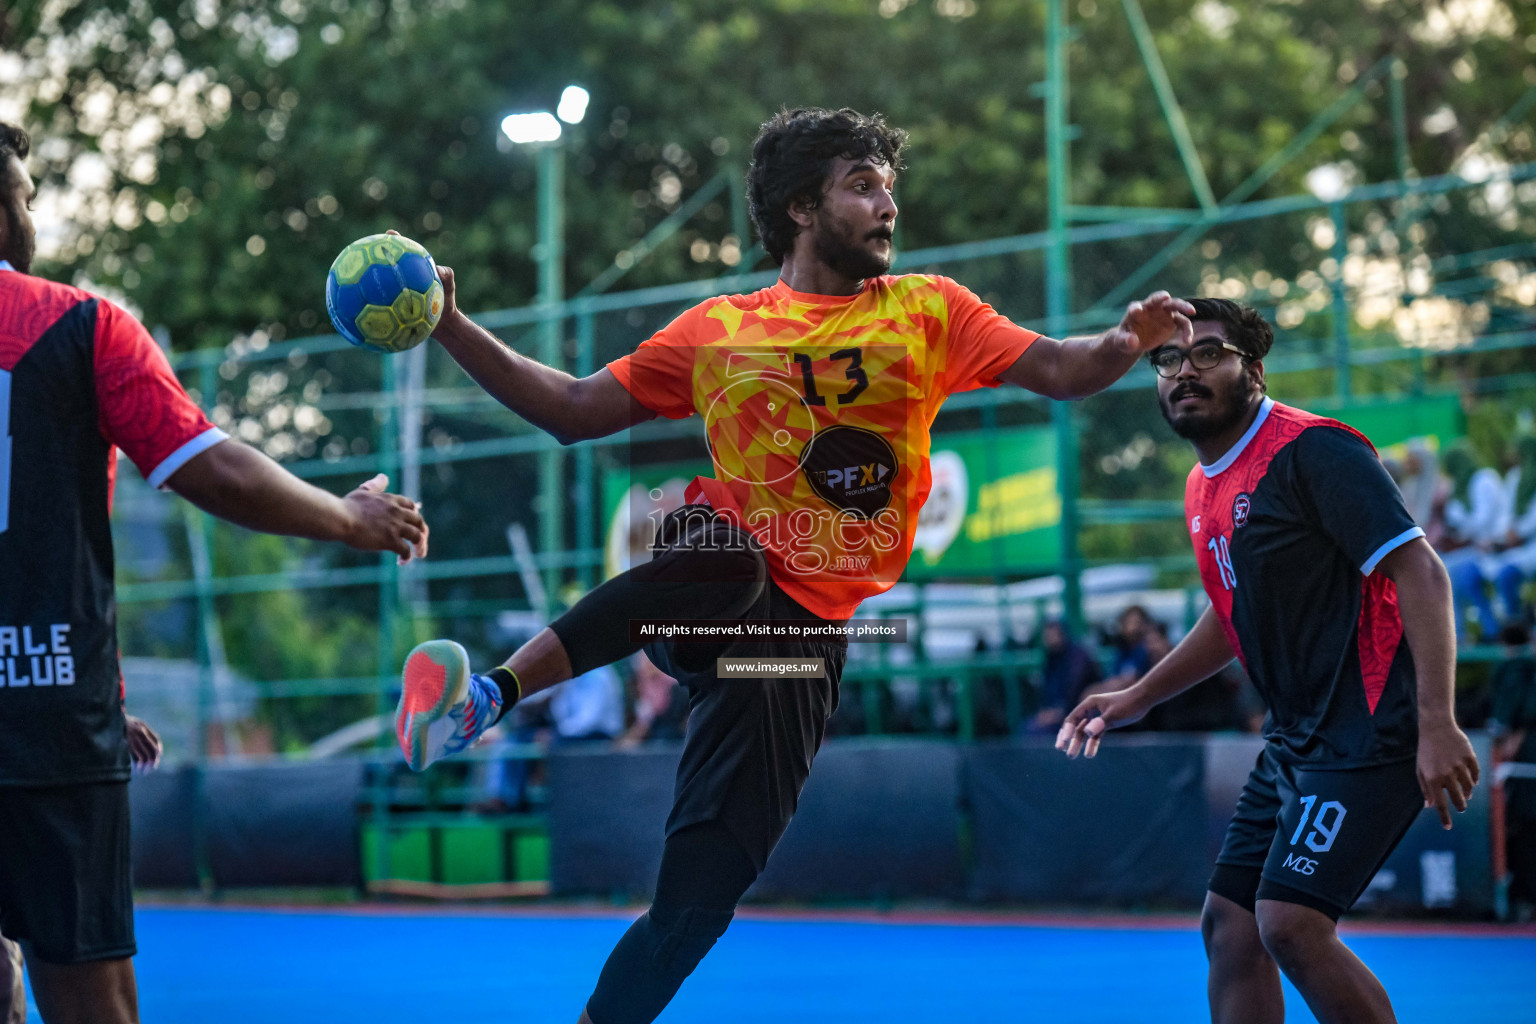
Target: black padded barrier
x,y
284,824
878,820
607,815
160,805
1127,828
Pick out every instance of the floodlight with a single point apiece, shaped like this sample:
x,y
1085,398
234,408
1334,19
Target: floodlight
x,y
526,128
573,104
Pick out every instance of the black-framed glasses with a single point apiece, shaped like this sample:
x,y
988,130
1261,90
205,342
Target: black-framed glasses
x,y
1203,355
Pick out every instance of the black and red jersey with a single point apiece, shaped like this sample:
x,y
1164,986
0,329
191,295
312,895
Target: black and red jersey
x,y
78,376
1288,529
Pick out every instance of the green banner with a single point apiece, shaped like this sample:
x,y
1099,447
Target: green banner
x,y
994,503
634,499
1392,423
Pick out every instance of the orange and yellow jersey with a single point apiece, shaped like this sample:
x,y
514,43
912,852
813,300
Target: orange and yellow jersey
x,y
817,411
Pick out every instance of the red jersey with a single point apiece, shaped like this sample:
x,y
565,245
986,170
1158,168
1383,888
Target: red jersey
x,y
1288,528
78,376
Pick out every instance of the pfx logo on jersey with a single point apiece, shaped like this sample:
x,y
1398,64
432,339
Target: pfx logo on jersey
x,y
1299,864
1194,525
1240,508
851,469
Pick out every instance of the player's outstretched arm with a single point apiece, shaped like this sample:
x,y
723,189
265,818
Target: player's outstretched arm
x,y
1202,653
567,408
1079,367
236,482
1446,762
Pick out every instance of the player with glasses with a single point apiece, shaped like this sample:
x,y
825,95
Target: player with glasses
x,y
1321,582
1202,355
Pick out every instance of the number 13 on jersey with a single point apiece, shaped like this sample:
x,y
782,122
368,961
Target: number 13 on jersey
x,y
1222,552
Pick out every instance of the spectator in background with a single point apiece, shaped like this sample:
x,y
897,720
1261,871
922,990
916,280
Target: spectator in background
x,y
1476,517
661,705
588,707
1517,563
1130,642
1214,705
1417,475
992,693
1067,673
1513,726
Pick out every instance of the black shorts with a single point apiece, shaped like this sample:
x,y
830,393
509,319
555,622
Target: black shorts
x,y
750,742
1313,836
66,886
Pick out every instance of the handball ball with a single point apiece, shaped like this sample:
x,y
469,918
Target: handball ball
x,y
383,292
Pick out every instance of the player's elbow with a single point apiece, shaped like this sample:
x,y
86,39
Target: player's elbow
x,y
1055,370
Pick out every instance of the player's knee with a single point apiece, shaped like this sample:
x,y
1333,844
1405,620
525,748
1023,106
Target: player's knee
x,y
1291,933
680,940
1229,932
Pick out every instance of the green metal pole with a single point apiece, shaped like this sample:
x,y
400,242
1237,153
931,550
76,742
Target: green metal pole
x,y
586,470
551,292
389,600
1172,112
1058,290
1399,117
1342,382
200,539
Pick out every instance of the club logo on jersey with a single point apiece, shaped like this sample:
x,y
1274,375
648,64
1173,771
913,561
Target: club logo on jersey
x,y
851,469
1240,506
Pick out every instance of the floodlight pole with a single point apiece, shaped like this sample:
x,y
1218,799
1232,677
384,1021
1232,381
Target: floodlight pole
x,y
1058,299
551,261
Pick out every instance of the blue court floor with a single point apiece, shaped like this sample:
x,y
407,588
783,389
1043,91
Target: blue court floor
x,y
363,966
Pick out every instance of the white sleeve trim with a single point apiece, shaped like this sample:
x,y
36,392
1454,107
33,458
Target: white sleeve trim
x,y
186,453
1389,547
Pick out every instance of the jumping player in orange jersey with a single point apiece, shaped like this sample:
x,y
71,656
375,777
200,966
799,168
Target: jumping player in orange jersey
x,y
1321,582
80,379
817,395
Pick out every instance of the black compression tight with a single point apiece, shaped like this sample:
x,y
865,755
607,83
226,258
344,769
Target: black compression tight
x,y
716,577
704,872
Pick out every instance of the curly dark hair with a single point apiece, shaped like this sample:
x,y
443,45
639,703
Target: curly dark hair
x,y
1245,327
792,160
13,142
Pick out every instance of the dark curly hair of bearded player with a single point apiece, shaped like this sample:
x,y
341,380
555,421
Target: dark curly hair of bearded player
x,y
792,160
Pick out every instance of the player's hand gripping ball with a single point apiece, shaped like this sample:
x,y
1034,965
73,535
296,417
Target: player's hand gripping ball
x,y
383,292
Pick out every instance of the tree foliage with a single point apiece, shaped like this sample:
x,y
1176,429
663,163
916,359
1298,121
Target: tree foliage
x,y
207,158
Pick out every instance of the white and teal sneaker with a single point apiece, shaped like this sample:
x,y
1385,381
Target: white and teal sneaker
x,y
443,706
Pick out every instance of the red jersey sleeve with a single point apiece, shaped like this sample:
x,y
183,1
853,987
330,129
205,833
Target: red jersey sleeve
x,y
982,342
143,408
660,373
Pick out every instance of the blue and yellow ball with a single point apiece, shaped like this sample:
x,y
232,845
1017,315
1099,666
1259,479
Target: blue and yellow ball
x,y
383,292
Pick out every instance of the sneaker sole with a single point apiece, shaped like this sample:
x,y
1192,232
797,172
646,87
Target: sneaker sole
x,y
435,678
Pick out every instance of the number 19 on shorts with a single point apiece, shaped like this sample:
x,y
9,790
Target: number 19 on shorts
x,y
1325,826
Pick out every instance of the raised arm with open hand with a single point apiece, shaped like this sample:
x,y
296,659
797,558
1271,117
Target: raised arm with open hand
x,y
1078,367
568,408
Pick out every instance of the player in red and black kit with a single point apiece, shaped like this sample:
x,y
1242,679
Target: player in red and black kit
x,y
1323,585
80,378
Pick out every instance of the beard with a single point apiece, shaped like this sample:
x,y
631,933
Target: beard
x,y
22,251
1230,407
839,249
